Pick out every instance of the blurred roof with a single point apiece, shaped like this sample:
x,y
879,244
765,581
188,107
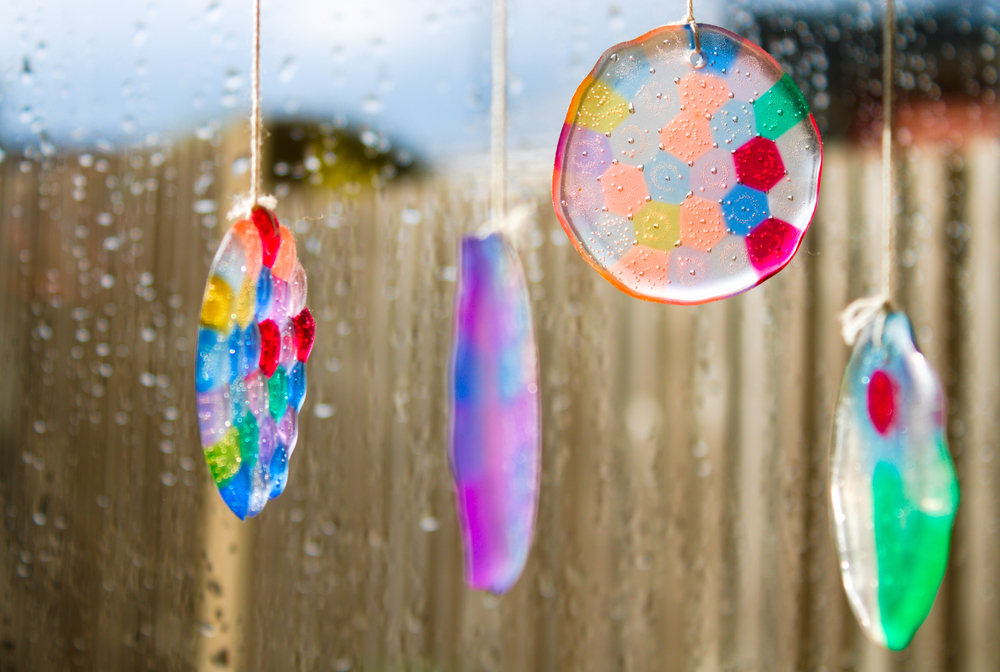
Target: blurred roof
x,y
946,52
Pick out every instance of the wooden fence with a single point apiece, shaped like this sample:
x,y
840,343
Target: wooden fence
x,y
683,522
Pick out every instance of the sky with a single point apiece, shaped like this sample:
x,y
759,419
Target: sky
x,y
415,70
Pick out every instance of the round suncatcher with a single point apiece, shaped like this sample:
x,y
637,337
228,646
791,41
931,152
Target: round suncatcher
x,y
685,176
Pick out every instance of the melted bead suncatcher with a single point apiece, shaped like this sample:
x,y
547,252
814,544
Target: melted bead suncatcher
x,y
254,339
495,443
686,177
893,485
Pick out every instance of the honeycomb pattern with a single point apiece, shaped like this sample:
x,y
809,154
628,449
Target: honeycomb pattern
x,y
685,184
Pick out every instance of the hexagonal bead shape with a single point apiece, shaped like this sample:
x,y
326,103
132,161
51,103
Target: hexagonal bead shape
x,y
758,164
701,94
687,136
624,189
658,226
771,245
748,76
601,109
734,125
632,143
668,179
744,208
780,108
701,223
588,152
713,175
689,267
627,73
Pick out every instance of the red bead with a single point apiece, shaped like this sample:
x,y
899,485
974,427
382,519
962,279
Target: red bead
x,y
772,244
305,333
881,401
759,164
270,347
270,233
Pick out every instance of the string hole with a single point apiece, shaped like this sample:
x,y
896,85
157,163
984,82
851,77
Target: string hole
x,y
698,59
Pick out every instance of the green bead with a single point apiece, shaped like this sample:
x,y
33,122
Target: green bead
x,y
781,107
224,457
277,393
249,439
912,551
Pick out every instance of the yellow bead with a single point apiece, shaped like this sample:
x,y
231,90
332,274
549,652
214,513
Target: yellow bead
x,y
246,303
217,306
601,109
224,458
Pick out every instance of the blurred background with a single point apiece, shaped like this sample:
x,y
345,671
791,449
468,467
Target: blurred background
x,y
683,521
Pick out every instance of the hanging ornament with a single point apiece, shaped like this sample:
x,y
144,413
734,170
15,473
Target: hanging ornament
x,y
892,483
254,339
688,166
495,448
893,489
495,441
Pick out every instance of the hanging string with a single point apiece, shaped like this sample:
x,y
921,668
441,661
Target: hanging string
x,y
256,142
888,195
861,312
689,20
243,205
498,114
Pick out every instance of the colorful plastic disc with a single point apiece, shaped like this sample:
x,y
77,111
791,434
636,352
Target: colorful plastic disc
x,y
496,433
255,337
893,485
686,183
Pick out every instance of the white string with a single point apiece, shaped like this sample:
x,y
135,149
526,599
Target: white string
x,y
243,205
689,20
256,142
498,114
856,316
888,195
515,224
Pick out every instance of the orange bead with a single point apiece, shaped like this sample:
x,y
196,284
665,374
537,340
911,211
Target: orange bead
x,y
284,264
247,232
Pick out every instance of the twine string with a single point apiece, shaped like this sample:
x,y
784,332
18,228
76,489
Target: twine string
x,y
243,205
888,195
689,20
256,141
498,113
861,312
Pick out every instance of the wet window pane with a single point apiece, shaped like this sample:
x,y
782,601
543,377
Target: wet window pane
x,y
683,521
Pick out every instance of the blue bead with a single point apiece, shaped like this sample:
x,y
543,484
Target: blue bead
x,y
212,364
297,386
235,347
265,287
720,50
236,492
744,208
250,358
279,472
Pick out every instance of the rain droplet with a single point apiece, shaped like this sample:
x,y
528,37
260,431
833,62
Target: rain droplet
x,y
288,69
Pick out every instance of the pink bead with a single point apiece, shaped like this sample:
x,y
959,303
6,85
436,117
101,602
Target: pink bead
x,y
288,430
759,164
298,288
270,234
257,395
289,351
305,333
881,401
270,347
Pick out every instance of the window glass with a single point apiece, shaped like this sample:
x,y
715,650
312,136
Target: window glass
x,y
683,520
